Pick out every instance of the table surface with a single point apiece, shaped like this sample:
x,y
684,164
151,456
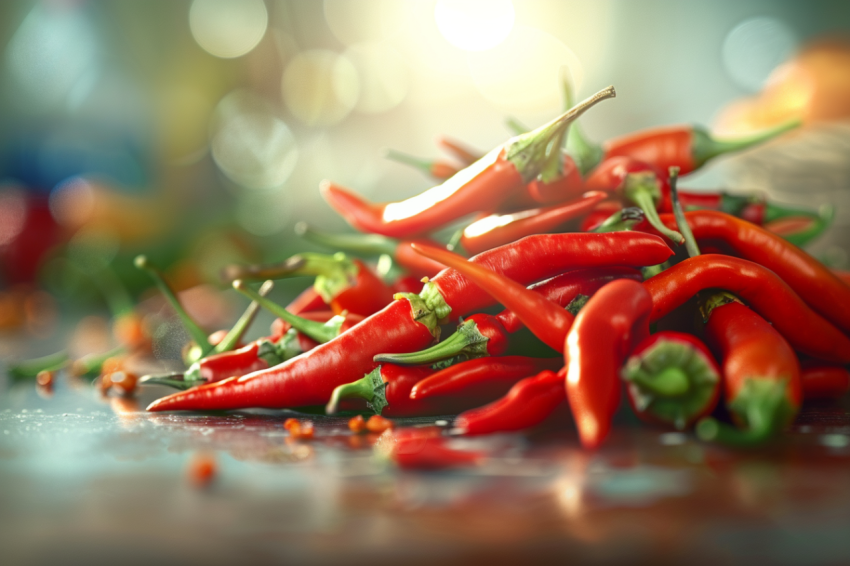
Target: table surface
x,y
85,479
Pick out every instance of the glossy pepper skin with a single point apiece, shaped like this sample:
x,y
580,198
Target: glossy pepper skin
x,y
497,230
481,186
672,379
410,323
612,322
686,147
640,183
824,381
494,375
763,290
526,405
548,188
822,289
761,374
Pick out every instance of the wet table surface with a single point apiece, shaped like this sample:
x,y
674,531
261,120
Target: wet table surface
x,y
90,480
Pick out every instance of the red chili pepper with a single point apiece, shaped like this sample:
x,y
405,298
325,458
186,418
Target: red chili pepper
x,y
482,186
600,214
464,154
439,170
374,244
497,230
309,300
765,293
494,376
761,375
549,188
686,147
431,453
809,278
672,379
410,323
824,381
842,275
605,331
641,184
529,402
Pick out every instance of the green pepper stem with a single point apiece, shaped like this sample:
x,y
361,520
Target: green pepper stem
x,y
642,196
31,368
238,330
585,153
515,126
91,364
364,244
195,331
679,214
669,382
318,331
712,430
399,157
706,147
773,211
467,340
362,388
621,220
175,380
824,219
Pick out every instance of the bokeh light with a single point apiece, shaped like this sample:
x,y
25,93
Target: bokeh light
x,y
365,20
72,202
228,28
251,145
383,76
521,74
474,25
320,87
754,48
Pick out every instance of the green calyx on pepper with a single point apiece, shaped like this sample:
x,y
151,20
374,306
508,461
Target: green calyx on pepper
x,y
370,387
467,340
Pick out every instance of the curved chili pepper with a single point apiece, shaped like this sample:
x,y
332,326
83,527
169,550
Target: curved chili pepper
x,y
497,230
672,379
761,375
810,279
410,323
494,375
686,147
344,284
529,402
763,290
481,186
466,155
374,244
607,328
439,170
641,184
842,275
824,381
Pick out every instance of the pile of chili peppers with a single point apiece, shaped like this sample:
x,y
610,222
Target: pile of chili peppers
x,y
595,256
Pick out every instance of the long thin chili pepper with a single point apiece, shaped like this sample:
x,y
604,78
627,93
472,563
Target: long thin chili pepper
x,y
439,170
481,186
640,183
344,284
497,230
672,378
373,244
686,147
814,282
761,375
824,381
466,155
411,322
528,403
763,290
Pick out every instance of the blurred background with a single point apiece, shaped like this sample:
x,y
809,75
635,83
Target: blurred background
x,y
198,131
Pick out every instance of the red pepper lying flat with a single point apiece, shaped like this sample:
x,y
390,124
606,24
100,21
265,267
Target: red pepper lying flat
x,y
824,381
814,282
497,230
686,147
526,405
481,186
761,375
672,379
764,291
410,323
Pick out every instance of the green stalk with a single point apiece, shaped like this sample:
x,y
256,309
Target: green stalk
x,y
679,214
238,330
361,244
705,146
319,331
174,380
370,387
422,164
586,154
467,340
195,331
31,368
642,189
621,220
515,126
91,365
